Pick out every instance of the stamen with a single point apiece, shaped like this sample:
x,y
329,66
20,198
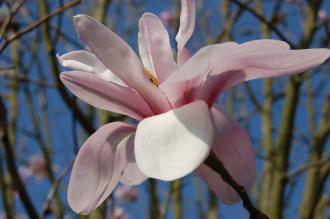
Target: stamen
x,y
151,77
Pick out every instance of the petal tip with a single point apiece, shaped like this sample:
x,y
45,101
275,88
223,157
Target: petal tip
x,y
78,17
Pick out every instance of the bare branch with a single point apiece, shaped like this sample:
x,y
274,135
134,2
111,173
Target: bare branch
x,y
36,24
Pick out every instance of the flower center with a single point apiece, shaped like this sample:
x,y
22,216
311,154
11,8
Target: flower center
x,y
151,77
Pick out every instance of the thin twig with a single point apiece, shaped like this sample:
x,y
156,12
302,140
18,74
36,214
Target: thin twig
x,y
10,159
215,164
53,190
34,25
324,160
261,18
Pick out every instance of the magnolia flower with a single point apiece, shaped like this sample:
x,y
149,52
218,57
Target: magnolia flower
x,y
174,102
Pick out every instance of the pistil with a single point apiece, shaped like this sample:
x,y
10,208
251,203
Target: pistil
x,y
151,77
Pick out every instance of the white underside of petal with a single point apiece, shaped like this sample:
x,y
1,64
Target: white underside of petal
x,y
171,145
82,60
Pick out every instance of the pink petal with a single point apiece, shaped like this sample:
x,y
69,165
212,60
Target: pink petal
x,y
247,66
233,147
94,170
131,174
188,77
219,58
187,23
119,57
184,56
121,164
154,38
105,94
264,45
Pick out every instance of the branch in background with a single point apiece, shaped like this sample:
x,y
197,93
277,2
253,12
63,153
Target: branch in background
x,y
324,160
215,164
52,192
154,210
10,159
36,24
262,19
53,66
12,15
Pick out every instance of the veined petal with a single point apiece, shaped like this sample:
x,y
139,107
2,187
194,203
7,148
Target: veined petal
x,y
233,147
131,174
171,145
95,174
187,23
106,94
82,60
120,58
154,42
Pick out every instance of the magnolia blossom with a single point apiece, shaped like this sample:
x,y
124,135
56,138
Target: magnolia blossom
x,y
174,102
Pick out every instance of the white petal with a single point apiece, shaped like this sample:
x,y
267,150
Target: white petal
x,y
171,145
82,60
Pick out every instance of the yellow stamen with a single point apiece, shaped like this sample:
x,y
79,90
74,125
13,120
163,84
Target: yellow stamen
x,y
151,77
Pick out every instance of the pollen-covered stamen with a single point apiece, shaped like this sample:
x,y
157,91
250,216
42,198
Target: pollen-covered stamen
x,y
151,77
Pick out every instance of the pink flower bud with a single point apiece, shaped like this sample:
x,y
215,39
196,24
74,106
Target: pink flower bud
x,y
126,193
167,17
38,165
119,213
323,16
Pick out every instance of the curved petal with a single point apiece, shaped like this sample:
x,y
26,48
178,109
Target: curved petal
x,y
122,165
171,145
131,174
264,45
193,72
94,169
82,60
105,94
233,147
220,58
184,56
254,65
120,58
187,23
154,42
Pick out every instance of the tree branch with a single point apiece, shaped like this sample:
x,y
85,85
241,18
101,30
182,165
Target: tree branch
x,y
261,18
36,24
215,164
10,159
